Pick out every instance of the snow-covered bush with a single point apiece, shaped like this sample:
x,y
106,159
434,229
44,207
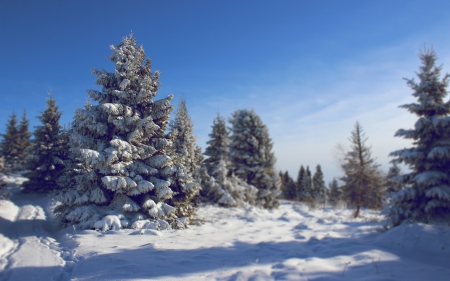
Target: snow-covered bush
x,y
118,146
251,156
426,196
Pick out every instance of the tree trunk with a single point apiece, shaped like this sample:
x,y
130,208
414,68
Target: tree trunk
x,y
357,211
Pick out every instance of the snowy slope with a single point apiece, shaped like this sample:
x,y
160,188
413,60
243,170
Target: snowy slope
x,y
290,243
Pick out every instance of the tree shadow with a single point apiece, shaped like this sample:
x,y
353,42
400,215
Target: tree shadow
x,y
151,260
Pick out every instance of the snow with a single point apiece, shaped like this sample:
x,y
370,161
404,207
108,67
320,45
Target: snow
x,y
292,242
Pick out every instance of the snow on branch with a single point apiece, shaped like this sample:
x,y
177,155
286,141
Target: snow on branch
x,y
118,184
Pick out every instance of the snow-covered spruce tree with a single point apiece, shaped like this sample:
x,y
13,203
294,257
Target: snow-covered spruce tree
x,y
119,148
223,187
426,196
23,141
318,187
252,158
45,163
218,146
9,145
186,162
334,192
363,182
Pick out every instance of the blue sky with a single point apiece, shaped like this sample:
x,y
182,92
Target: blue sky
x,y
310,69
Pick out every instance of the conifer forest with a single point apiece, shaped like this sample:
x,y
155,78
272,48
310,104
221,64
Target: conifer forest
x,y
126,191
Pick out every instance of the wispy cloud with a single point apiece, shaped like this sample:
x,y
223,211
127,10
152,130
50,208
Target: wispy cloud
x,y
307,117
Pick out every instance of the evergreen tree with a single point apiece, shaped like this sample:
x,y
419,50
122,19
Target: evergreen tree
x,y
218,146
223,187
45,163
186,158
363,185
10,148
318,187
252,158
301,184
426,196
229,190
334,192
119,148
24,142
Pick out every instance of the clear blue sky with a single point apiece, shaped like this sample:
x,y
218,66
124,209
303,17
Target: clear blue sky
x,y
310,69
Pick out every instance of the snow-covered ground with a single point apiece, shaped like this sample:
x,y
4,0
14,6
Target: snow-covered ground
x,y
290,243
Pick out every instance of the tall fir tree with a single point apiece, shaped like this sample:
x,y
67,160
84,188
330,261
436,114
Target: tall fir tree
x,y
119,148
218,146
252,158
363,182
9,145
45,163
186,160
426,196
24,141
318,187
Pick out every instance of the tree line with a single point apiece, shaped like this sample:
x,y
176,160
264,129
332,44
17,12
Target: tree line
x,y
123,157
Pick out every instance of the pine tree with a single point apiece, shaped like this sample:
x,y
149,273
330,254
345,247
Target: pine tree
x,y
252,158
426,196
334,192
363,182
10,148
318,187
45,163
218,146
119,148
24,141
301,184
186,158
